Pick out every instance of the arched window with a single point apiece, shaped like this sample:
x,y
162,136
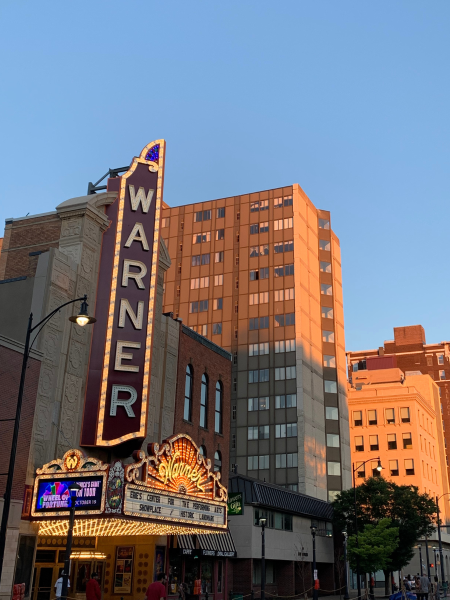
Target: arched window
x,y
204,402
217,461
188,394
218,408
202,451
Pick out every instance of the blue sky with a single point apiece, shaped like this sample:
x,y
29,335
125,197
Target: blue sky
x,y
349,99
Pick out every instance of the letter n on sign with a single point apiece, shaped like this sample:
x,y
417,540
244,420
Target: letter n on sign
x,y
118,385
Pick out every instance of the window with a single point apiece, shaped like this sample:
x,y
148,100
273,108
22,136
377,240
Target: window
x,y
218,257
330,387
258,323
288,201
390,416
199,282
429,361
205,259
392,441
286,460
254,228
203,305
283,223
193,308
280,374
165,222
264,461
218,408
254,251
291,372
286,401
324,245
357,418
252,433
198,238
327,312
233,441
201,329
359,443
278,247
440,359
441,374
325,289
328,336
277,202
264,227
264,250
373,442
360,470
258,349
334,468
217,303
262,375
178,291
254,206
279,320
404,415
217,328
195,261
372,417
393,468
329,361
218,279
221,212
217,461
220,234
374,467
263,432
187,415
261,298
332,440
233,412
280,461
204,402
284,270
332,413
258,404
252,463
407,441
325,267
283,430
290,319
202,451
409,466
324,224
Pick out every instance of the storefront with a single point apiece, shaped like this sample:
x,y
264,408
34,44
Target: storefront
x,y
166,512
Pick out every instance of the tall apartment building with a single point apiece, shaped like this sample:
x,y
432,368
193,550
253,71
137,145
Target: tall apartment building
x,y
414,357
260,275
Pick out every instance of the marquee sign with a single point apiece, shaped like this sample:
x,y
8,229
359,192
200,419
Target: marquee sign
x,y
117,391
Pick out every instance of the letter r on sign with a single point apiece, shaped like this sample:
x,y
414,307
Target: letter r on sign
x,y
127,403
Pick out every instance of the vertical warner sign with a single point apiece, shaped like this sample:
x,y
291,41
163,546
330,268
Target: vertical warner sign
x,y
118,385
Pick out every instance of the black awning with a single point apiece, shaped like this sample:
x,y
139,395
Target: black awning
x,y
186,544
217,544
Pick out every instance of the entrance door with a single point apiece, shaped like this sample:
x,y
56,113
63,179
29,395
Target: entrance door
x,y
220,579
42,583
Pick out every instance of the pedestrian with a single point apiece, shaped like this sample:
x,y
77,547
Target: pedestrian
x,y
182,591
424,587
157,589
59,584
93,591
437,588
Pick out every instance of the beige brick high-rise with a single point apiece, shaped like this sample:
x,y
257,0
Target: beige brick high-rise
x,y
260,275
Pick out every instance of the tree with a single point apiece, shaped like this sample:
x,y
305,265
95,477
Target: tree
x,y
375,547
413,513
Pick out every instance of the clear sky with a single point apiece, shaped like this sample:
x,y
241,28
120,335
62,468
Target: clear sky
x,y
349,99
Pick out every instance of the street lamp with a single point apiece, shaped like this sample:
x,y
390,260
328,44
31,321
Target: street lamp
x,y
313,533
82,319
379,469
346,594
435,549
441,554
420,558
73,490
263,522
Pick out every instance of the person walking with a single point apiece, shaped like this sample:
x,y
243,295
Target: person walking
x,y
59,584
157,589
437,588
424,587
93,591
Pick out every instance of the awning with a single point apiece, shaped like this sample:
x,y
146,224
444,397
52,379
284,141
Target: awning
x,y
186,544
211,544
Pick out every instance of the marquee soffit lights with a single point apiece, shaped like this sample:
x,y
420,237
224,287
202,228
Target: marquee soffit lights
x,y
86,555
116,527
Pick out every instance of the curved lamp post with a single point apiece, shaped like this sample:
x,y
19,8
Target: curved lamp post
x,y
379,469
313,533
82,319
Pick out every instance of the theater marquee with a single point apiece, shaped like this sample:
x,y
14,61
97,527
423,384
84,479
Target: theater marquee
x,y
170,490
117,391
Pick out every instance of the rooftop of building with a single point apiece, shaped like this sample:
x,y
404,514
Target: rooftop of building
x,y
269,495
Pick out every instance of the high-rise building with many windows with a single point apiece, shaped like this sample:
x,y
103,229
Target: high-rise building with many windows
x,y
260,275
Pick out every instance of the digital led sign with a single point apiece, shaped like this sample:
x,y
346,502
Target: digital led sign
x,y
53,495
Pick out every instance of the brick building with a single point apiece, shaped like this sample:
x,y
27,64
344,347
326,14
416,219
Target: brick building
x,y
260,275
414,357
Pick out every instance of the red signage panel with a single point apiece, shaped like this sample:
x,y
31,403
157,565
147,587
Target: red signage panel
x,y
117,391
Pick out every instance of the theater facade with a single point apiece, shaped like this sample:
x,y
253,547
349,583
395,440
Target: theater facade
x,y
135,409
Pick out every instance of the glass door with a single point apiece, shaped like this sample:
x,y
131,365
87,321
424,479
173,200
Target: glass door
x,y
42,583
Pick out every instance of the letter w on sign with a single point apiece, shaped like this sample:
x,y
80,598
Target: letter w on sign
x,y
140,198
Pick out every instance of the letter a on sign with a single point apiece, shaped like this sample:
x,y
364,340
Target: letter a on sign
x,y
118,383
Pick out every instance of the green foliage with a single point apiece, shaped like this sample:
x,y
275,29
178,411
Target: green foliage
x,y
411,512
376,545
